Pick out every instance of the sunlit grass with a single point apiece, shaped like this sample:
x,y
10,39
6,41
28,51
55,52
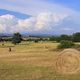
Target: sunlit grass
x,y
30,61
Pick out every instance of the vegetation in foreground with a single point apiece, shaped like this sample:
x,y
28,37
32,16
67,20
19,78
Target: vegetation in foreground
x,y
33,58
30,61
66,44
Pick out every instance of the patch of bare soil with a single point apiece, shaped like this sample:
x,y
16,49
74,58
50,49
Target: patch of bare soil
x,y
68,62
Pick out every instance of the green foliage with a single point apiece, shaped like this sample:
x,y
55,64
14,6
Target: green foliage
x,y
64,37
53,38
30,39
7,39
65,44
76,37
16,38
36,41
60,38
1,39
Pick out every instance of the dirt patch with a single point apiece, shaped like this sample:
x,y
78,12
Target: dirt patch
x,y
68,62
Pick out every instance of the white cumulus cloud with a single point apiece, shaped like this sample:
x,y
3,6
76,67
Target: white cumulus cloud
x,y
42,23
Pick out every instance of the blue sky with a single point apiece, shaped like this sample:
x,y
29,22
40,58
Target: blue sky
x,y
29,6
16,14
47,16
73,4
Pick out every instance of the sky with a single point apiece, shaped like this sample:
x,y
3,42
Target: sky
x,y
46,16
34,7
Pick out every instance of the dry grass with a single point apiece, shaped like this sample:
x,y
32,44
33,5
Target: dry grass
x,y
68,62
31,61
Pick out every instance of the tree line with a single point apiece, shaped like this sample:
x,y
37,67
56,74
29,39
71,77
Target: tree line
x,y
17,38
74,37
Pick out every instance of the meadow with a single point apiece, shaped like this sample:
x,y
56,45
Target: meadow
x,y
31,61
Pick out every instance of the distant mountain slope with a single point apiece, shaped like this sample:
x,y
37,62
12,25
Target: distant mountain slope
x,y
17,14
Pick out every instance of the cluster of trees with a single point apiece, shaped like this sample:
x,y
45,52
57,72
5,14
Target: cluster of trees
x,y
17,38
74,38
67,41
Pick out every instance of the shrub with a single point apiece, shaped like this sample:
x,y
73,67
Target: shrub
x,y
65,44
36,41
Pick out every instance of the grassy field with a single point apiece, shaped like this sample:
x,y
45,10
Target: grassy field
x,y
30,61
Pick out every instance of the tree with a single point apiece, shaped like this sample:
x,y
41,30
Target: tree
x,y
76,37
60,38
36,41
1,39
65,37
17,38
52,38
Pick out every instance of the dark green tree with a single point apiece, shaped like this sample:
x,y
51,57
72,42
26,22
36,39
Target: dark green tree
x,y
1,39
17,38
76,37
52,38
65,37
61,37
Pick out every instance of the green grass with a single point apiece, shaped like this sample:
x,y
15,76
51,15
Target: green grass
x,y
30,61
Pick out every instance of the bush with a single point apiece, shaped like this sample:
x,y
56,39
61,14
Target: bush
x,y
65,44
36,41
